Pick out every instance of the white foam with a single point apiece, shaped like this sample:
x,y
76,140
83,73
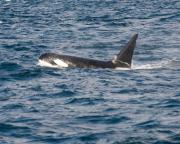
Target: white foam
x,y
120,68
149,66
156,65
142,67
146,66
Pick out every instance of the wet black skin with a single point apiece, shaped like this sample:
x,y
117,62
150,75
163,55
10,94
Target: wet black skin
x,y
73,61
123,58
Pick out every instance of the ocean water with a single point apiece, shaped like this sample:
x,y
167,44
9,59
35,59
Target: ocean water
x,y
89,106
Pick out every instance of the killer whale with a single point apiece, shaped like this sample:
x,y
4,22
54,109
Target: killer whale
x,y
122,60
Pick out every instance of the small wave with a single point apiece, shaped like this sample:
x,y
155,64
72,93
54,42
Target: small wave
x,y
25,74
10,66
4,127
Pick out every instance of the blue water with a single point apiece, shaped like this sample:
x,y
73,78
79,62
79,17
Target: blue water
x,y
42,105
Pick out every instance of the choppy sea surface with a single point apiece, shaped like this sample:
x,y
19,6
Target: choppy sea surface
x,y
87,106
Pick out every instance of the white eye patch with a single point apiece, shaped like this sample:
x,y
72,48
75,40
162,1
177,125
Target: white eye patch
x,y
46,64
60,63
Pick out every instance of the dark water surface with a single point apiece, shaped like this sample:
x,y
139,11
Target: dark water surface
x,y
43,105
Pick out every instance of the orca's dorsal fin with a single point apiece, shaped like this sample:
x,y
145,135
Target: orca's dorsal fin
x,y
124,57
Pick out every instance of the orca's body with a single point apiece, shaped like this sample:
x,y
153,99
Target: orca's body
x,y
123,59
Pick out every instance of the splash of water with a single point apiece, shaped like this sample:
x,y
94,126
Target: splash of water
x,y
157,65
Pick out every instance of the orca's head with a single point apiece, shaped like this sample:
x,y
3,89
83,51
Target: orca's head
x,y
51,60
47,59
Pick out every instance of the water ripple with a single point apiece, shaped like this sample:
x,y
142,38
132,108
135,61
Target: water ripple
x,y
43,105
